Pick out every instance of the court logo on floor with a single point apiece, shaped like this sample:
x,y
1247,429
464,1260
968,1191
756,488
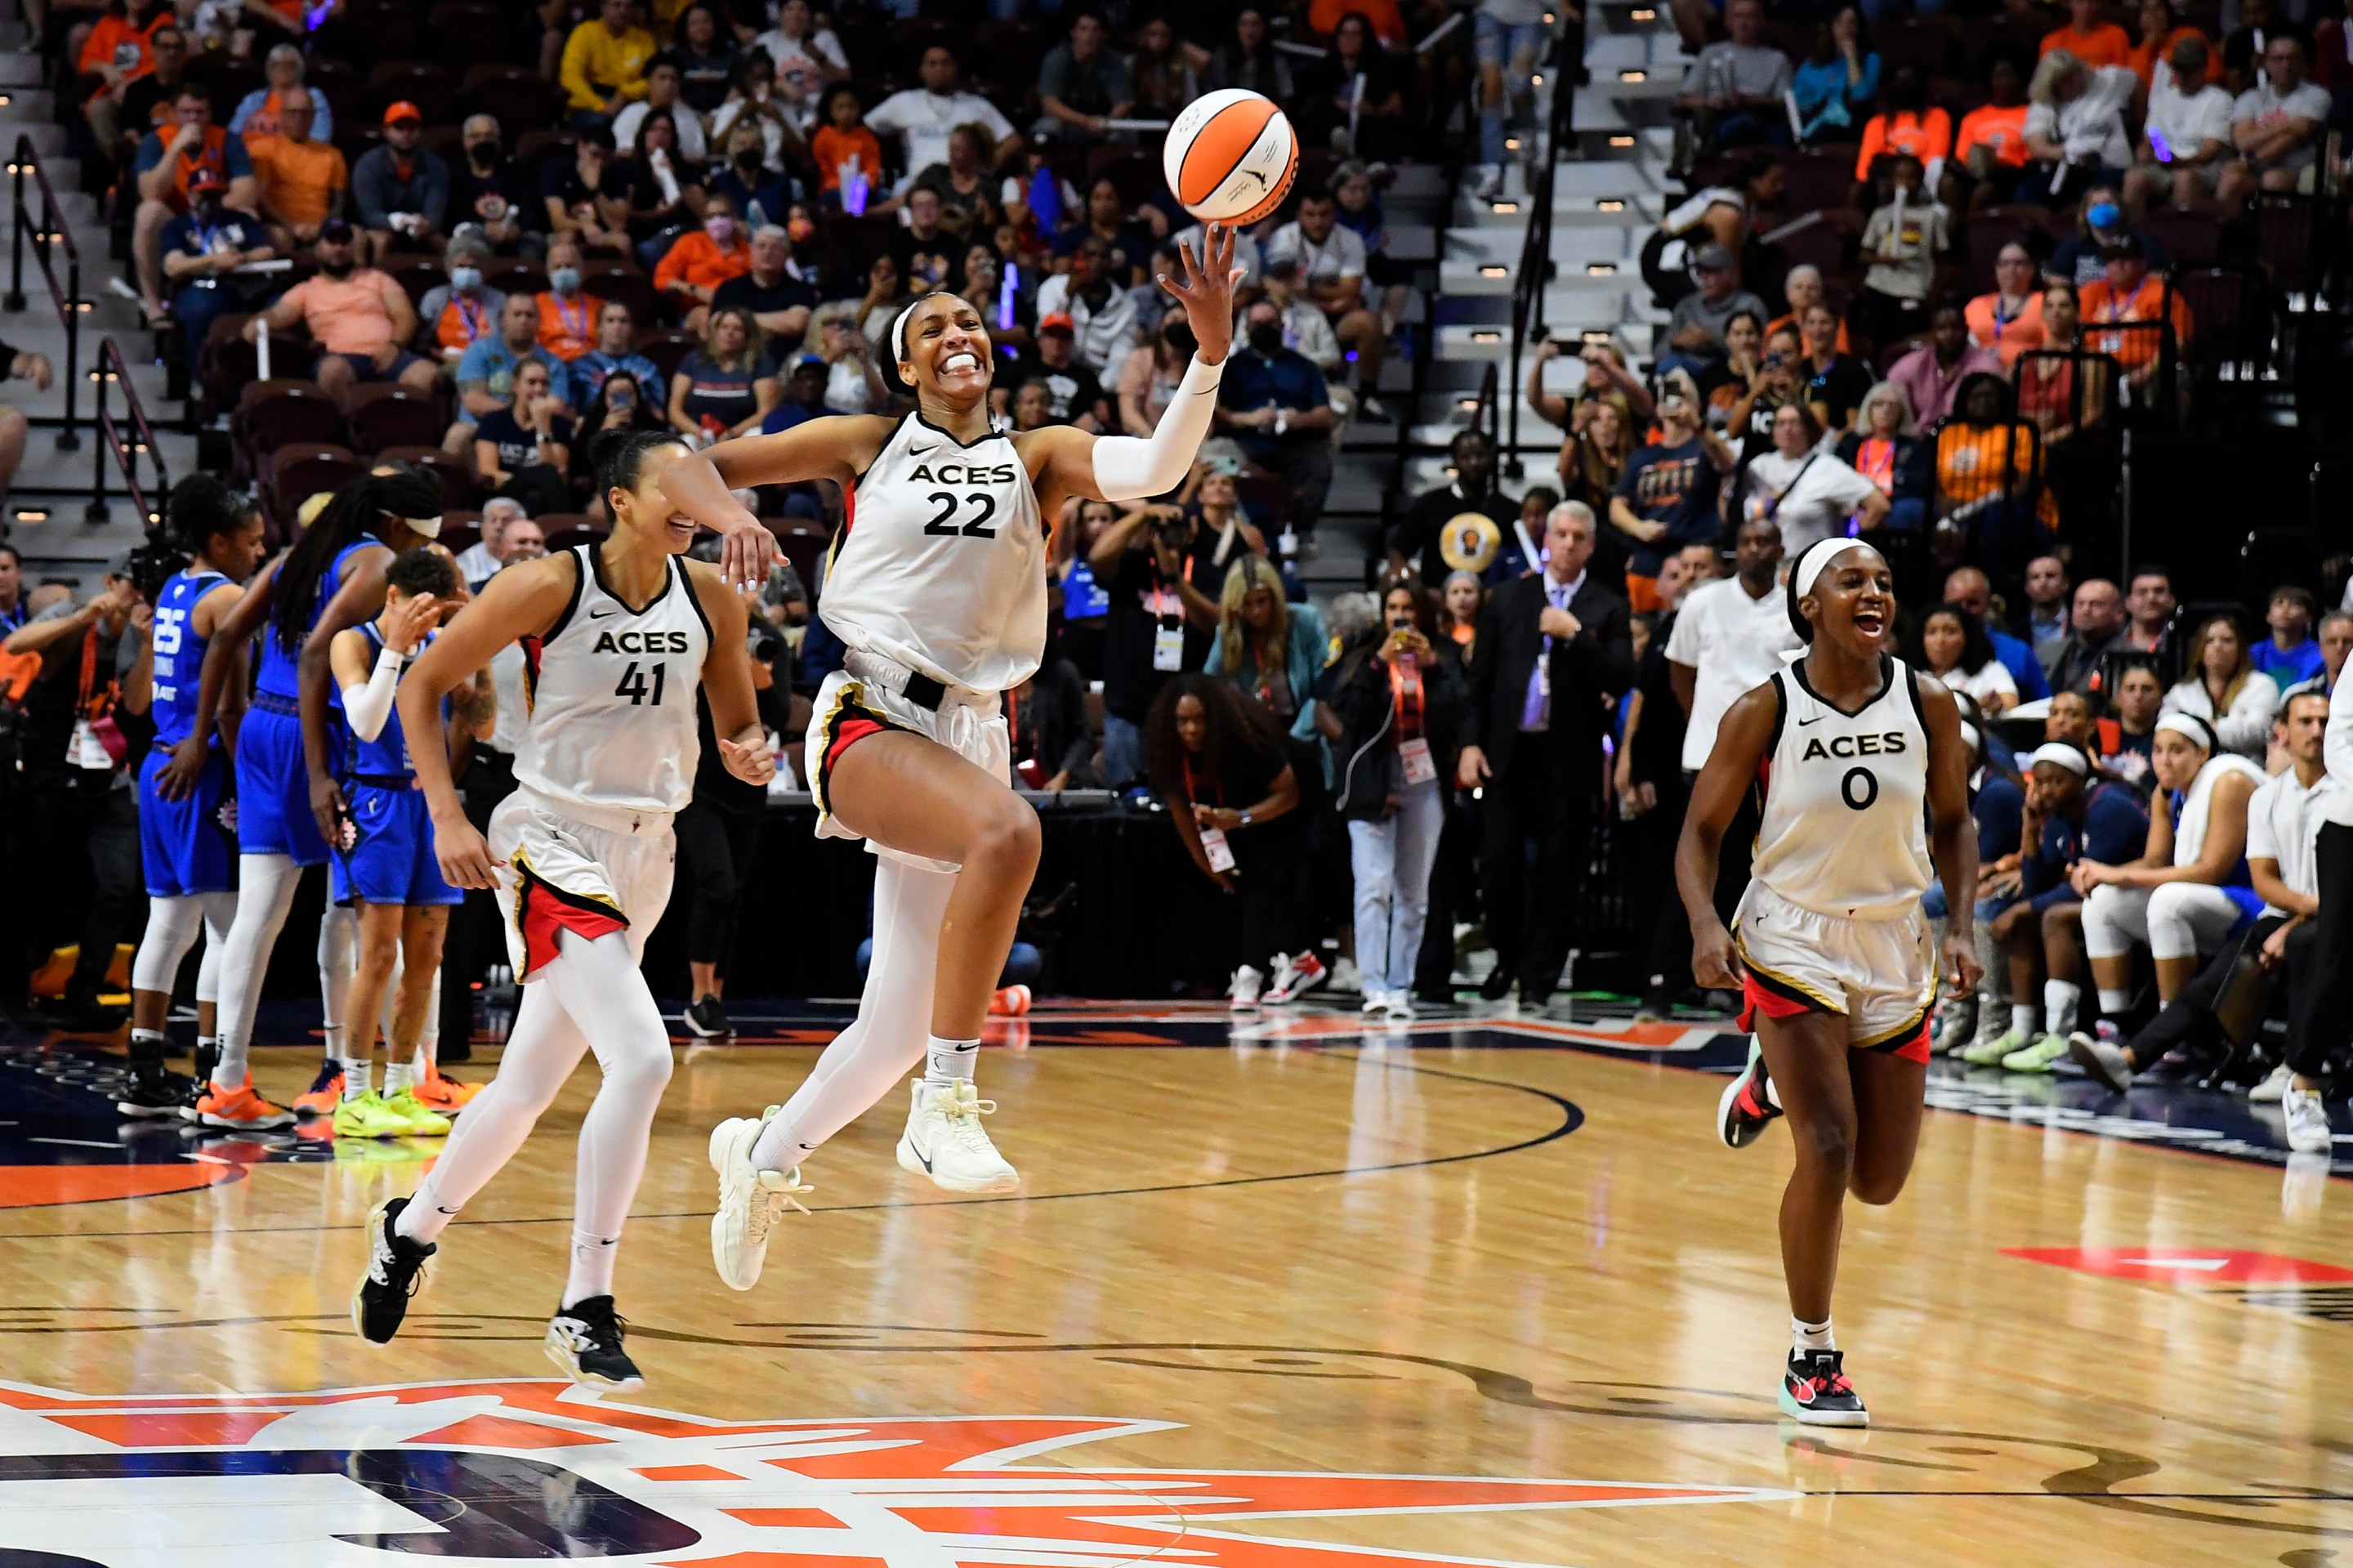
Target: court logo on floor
x,y
2268,1279
540,1469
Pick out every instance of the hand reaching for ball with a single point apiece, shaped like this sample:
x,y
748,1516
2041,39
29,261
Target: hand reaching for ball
x,y
1207,291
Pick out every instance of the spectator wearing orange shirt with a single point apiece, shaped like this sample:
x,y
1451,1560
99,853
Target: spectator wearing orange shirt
x,y
2128,294
136,100
702,260
2009,320
1387,19
304,182
1907,125
115,49
567,313
163,167
843,147
2158,35
2090,36
358,316
1991,142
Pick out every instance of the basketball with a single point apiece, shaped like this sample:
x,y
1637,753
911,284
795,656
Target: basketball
x,y
1230,156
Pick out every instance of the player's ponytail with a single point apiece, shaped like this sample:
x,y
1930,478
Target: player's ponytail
x,y
398,488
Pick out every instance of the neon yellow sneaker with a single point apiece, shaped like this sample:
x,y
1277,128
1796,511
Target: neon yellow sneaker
x,y
424,1122
369,1117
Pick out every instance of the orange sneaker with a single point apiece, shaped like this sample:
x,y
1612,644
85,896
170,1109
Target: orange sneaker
x,y
1010,1002
325,1093
241,1109
447,1096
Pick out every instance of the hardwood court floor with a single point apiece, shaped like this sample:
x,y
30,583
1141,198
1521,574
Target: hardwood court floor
x,y
1316,1262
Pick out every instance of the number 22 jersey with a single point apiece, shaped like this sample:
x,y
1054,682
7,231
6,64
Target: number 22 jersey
x,y
941,562
610,695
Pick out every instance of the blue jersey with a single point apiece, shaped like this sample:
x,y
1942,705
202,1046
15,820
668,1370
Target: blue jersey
x,y
179,654
280,673
385,757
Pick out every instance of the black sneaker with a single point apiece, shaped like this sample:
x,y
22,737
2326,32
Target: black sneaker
x,y
1497,985
207,1058
707,1019
1747,1106
153,1090
584,1340
1815,1391
396,1272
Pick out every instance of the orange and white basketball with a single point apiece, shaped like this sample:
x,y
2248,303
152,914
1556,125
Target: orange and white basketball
x,y
1230,156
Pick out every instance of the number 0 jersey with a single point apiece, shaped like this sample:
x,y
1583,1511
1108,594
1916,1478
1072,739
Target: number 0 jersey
x,y
941,562
1844,829
610,695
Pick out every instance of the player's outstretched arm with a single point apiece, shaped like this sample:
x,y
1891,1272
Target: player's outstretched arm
x,y
727,679
1740,742
359,598
1952,831
839,447
1064,461
521,601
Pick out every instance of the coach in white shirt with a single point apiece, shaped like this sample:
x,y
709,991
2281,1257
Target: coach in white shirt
x,y
924,116
1729,635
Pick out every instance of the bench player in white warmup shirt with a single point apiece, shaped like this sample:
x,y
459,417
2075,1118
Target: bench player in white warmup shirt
x,y
615,636
1864,776
938,588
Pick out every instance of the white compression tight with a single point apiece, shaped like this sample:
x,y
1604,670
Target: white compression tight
x,y
172,927
266,884
893,1024
590,997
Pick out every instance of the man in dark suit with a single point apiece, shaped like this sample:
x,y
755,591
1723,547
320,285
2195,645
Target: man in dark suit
x,y
1553,651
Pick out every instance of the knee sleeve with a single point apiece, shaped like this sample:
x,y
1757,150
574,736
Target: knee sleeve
x,y
339,941
220,915
266,891
172,926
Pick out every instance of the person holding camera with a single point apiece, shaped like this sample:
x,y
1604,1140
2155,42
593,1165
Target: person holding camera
x,y
1158,572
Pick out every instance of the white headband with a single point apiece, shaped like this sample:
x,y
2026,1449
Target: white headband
x,y
1817,556
2059,753
428,527
2189,726
899,333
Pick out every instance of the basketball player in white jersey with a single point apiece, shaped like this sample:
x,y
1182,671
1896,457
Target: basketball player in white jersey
x,y
616,634
1852,752
938,588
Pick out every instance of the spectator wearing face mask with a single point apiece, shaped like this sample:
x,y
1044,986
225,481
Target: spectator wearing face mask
x,y
700,261
568,316
486,188
359,318
464,309
1273,401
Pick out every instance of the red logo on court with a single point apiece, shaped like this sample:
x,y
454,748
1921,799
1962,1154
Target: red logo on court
x,y
537,1469
2186,1266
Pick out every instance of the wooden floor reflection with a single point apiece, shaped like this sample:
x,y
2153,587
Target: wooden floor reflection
x,y
1354,1257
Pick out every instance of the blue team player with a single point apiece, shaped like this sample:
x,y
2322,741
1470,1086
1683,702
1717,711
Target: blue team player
x,y
342,552
187,844
384,867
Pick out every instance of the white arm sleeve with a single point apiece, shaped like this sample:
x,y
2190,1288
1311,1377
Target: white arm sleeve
x,y
1128,468
369,708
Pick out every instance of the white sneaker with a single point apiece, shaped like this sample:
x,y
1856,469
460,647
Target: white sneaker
x,y
1400,1005
1344,975
1294,977
1242,994
2307,1122
750,1201
1376,1005
943,1141
1485,180
2272,1090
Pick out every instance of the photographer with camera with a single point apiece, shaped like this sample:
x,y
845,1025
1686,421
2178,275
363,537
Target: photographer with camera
x,y
85,715
1163,577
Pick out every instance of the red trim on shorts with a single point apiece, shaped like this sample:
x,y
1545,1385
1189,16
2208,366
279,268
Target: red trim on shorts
x,y
542,909
854,727
1762,993
1912,1046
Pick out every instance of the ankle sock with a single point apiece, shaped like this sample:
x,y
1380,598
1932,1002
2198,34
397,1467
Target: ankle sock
x,y
947,1063
2061,1002
1806,1336
398,1075
2021,1019
2114,1003
147,1045
355,1078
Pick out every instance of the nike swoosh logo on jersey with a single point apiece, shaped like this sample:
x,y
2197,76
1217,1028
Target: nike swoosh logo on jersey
x,y
923,452
1816,719
601,614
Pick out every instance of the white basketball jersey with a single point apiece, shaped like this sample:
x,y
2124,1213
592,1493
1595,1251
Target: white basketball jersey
x,y
1844,830
611,696
941,562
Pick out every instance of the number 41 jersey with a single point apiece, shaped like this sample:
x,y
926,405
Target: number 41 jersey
x,y
609,695
941,562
